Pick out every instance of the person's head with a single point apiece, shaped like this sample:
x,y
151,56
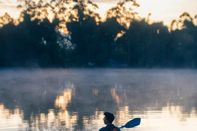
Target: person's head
x,y
109,118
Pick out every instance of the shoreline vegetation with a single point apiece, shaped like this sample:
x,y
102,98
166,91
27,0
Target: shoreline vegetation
x,y
70,34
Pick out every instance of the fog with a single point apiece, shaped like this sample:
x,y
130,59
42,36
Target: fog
x,y
86,91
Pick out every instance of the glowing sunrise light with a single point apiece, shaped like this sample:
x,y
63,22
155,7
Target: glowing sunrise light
x,y
12,120
157,10
166,10
62,101
169,118
11,7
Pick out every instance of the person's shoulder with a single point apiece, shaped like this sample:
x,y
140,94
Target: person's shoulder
x,y
111,127
102,129
116,129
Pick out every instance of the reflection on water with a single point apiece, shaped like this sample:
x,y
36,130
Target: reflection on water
x,y
170,118
63,100
58,118
11,119
68,100
53,120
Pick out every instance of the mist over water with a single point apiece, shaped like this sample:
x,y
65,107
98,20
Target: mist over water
x,y
75,99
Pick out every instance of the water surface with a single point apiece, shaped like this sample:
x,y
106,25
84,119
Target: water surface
x,y
75,99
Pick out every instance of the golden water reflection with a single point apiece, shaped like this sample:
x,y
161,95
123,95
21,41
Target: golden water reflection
x,y
61,120
57,119
63,100
11,119
167,118
170,118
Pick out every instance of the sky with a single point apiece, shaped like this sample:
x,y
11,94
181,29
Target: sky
x,y
161,10
167,10
8,6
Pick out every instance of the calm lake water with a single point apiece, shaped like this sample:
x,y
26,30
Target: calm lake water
x,y
75,99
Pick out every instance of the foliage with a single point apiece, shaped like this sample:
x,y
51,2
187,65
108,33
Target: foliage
x,y
68,33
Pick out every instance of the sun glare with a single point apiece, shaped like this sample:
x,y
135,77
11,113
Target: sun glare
x,y
156,10
166,10
103,7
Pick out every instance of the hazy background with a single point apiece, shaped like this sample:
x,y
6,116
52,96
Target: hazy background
x,y
75,99
161,10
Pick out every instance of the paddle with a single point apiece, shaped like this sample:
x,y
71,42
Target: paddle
x,y
132,123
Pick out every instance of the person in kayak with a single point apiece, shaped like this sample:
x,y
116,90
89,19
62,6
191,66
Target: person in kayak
x,y
108,120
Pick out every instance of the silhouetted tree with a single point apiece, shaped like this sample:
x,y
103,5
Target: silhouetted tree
x,y
51,33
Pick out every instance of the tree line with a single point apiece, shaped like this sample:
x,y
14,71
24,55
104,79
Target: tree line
x,y
76,36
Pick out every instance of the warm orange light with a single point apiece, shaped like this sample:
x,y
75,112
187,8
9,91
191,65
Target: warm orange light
x,y
11,119
63,100
166,10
